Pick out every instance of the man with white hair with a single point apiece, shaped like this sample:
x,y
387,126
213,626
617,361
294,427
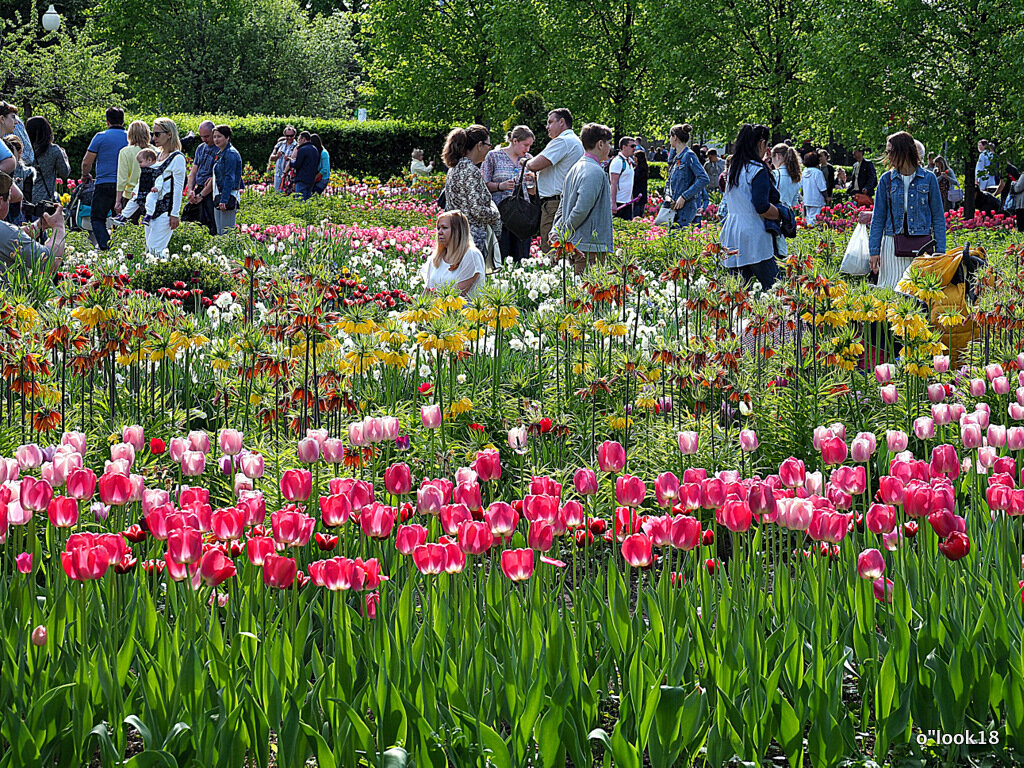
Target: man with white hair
x,y
200,206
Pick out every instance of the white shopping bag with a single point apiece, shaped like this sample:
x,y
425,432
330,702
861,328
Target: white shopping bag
x,y
857,259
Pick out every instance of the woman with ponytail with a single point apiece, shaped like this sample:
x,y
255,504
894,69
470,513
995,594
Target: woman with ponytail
x,y
686,176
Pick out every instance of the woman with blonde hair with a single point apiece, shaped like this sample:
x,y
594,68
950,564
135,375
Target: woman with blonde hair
x,y
128,168
170,183
787,174
908,219
464,187
455,259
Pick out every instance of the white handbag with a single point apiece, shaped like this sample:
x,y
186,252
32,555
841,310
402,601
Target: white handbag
x,y
666,216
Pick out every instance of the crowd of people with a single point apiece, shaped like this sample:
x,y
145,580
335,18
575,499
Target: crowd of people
x,y
301,164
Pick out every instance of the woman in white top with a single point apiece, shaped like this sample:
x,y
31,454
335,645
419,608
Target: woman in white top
x,y
455,259
170,181
787,174
814,188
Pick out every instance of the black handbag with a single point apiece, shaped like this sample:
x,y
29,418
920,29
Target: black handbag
x,y
520,215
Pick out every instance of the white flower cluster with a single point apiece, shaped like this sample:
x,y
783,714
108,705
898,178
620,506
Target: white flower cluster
x,y
223,310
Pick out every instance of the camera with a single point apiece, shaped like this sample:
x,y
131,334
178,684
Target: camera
x,y
38,210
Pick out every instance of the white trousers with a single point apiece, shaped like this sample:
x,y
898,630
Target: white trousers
x,y
158,234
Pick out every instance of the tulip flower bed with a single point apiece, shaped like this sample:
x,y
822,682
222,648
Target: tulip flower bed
x,y
647,517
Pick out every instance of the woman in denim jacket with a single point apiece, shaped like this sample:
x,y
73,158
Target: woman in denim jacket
x,y
227,170
907,201
687,178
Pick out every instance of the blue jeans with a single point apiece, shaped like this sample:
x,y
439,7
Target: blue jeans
x,y
303,190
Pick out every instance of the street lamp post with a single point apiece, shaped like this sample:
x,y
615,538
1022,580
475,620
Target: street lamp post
x,y
51,19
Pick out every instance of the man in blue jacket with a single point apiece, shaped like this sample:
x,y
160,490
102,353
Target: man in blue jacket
x,y
306,166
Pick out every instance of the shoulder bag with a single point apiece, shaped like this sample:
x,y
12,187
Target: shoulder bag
x,y
520,214
908,246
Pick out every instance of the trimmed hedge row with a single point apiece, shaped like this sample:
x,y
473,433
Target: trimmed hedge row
x,y
377,147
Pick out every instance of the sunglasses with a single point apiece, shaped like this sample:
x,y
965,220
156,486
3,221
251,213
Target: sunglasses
x,y
157,133
631,146
289,135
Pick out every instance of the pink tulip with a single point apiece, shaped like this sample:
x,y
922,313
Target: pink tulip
x,y
541,536
501,518
335,509
659,530
637,550
1015,411
279,571
258,549
9,470
517,440
870,564
945,461
429,499
199,441
940,363
228,523
890,395
430,416
813,483
177,449
517,564
833,451
993,371
35,494
373,429
75,440
970,436
292,529
712,493
924,428
861,449
193,463
689,443
469,495
630,491
389,427
735,515
320,435
884,373
792,472
377,521
29,456
611,456
230,441
135,436
896,440
585,481
882,589
357,434
408,537
761,500
977,387
831,527
24,562
185,545
398,479
666,489
572,514
252,465
308,450
748,440
881,518
686,533
936,393
1001,385
488,465
334,451
215,568
430,559
296,484
63,511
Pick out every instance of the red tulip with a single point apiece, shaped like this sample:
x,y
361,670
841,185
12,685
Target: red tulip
x,y
185,545
409,537
134,534
541,536
63,512
517,564
957,546
658,529
883,590
157,446
452,515
636,550
870,564
488,465
735,515
430,558
279,571
571,514
611,456
540,507
398,479
545,486
891,489
24,562
325,543
215,568
627,522
258,548
81,484
83,558
761,500
831,527
630,491
475,537
712,493
945,462
377,521
296,484
944,522
126,564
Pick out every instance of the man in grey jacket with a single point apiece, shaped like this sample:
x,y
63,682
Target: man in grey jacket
x,y
584,216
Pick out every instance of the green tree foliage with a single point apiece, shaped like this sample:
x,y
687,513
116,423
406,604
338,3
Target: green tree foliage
x,y
531,110
61,75
240,56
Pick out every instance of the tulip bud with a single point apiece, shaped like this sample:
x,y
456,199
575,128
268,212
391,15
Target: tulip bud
x,y
870,564
39,636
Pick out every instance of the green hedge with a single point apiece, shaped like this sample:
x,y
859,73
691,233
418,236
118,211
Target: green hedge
x,y
377,147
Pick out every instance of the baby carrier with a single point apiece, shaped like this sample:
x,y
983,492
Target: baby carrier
x,y
166,203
